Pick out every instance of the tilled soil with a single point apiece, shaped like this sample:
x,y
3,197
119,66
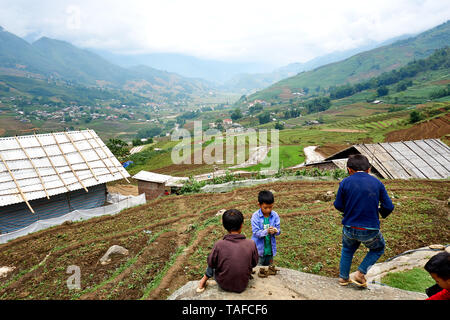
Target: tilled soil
x,y
435,128
169,239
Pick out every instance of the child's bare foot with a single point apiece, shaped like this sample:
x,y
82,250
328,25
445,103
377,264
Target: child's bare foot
x,y
202,284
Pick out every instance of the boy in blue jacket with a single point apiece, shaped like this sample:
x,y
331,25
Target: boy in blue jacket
x,y
359,197
265,226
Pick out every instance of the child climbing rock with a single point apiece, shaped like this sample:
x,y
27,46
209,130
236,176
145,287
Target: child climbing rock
x,y
359,197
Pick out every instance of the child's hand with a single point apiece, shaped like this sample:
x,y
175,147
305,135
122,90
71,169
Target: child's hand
x,y
273,230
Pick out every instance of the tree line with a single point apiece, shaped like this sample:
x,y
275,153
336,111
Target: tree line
x,y
440,59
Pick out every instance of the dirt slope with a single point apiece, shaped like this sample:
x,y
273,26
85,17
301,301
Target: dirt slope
x,y
435,128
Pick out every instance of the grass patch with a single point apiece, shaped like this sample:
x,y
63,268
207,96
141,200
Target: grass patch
x,y
416,279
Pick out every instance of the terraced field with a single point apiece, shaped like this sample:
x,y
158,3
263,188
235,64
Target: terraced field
x,y
378,121
169,239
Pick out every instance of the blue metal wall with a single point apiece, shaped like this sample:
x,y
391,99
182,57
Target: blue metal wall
x,y
18,216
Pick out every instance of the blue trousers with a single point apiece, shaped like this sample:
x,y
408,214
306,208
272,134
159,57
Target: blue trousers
x,y
351,240
265,260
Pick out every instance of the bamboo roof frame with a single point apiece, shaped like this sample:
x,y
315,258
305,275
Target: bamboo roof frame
x,y
17,184
109,158
68,163
39,166
81,154
34,166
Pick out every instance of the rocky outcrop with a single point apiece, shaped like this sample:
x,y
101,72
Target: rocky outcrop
x,y
113,250
294,285
416,258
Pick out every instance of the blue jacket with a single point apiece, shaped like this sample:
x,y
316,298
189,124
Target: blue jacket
x,y
358,198
259,233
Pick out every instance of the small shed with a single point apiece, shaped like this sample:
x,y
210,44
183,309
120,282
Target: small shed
x,y
152,184
418,159
45,176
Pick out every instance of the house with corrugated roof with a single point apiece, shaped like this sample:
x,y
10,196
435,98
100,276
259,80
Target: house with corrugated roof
x,y
418,159
44,176
155,184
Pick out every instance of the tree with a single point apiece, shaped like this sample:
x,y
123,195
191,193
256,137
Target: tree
x,y
279,126
119,148
219,124
414,117
255,108
236,114
382,91
264,117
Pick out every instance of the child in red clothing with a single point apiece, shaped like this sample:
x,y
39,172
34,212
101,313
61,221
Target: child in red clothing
x,y
439,269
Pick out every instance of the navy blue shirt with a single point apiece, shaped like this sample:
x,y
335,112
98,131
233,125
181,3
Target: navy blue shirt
x,y
358,197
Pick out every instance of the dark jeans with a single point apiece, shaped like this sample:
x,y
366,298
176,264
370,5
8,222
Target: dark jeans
x,y
209,272
351,239
265,260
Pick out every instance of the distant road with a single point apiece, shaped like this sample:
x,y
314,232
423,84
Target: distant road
x,y
256,157
136,149
311,155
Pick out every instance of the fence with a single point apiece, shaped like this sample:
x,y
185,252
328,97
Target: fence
x,y
119,203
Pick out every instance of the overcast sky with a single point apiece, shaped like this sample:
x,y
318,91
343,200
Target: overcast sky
x,y
276,32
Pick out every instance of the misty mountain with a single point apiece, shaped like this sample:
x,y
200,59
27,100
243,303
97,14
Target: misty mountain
x,y
59,60
363,65
188,66
248,83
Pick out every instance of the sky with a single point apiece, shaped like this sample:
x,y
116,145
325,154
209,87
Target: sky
x,y
275,32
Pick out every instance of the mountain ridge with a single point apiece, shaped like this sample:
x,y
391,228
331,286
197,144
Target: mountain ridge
x,y
53,59
363,65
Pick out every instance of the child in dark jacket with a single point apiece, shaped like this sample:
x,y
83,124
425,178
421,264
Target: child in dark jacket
x,y
232,259
359,197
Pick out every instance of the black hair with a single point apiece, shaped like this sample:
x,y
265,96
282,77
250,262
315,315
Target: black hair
x,y
232,220
266,197
439,264
358,162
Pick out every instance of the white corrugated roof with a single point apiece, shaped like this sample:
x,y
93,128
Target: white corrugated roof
x,y
170,181
418,159
151,177
34,166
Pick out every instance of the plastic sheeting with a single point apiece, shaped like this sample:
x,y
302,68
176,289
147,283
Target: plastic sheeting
x,y
18,216
119,203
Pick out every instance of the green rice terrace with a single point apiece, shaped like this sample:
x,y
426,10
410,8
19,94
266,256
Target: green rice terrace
x,y
341,127
168,240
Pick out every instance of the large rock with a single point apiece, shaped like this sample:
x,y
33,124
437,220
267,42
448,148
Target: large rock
x,y
115,249
294,285
413,259
5,270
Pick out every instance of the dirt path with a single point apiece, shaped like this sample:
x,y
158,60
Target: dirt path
x,y
124,189
136,149
175,275
258,155
311,155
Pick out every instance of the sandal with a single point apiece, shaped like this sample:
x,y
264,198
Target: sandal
x,y
359,284
263,273
345,282
272,270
